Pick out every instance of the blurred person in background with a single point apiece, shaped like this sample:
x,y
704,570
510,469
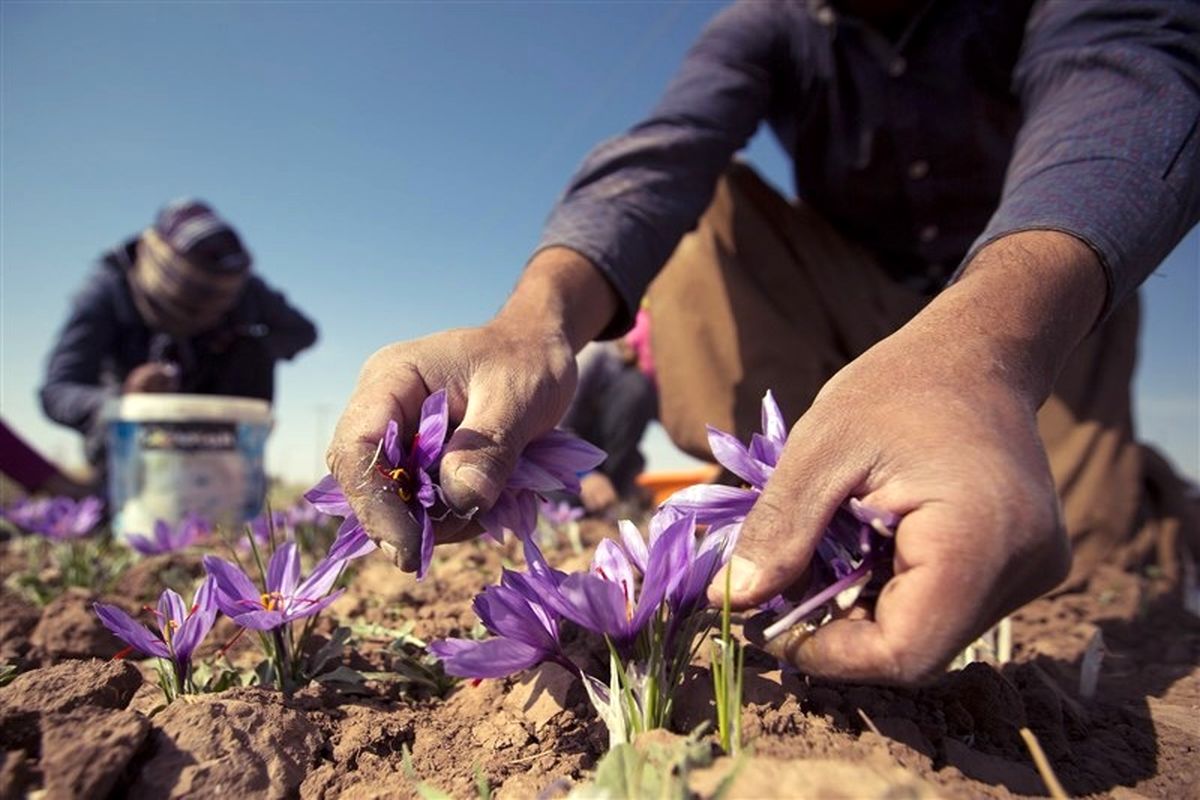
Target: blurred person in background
x,y
174,309
948,312
615,400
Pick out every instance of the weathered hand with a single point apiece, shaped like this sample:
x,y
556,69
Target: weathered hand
x,y
936,423
503,388
152,377
506,382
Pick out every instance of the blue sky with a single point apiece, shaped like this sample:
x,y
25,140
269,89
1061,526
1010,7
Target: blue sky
x,y
389,164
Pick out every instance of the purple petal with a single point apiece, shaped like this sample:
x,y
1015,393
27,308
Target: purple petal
x,y
260,620
869,515
319,581
540,572
611,563
142,544
535,599
712,504
130,631
596,604
505,612
563,455
205,598
765,452
351,542
163,535
283,570
733,456
528,474
171,608
393,448
773,426
328,498
232,582
635,545
431,435
667,565
300,610
198,623
426,546
493,658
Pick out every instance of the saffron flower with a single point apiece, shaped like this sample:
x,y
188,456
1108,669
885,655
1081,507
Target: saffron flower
x,y
552,462
560,514
168,538
286,598
608,599
57,518
177,634
646,599
754,464
410,472
855,547
525,631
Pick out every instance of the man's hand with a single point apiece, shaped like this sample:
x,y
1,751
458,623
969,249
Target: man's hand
x,y
152,376
936,423
507,382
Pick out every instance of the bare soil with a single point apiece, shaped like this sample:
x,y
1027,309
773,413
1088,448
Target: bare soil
x,y
75,726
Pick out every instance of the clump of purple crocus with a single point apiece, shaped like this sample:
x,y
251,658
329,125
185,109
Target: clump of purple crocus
x,y
560,514
283,598
57,518
646,599
550,463
855,548
168,538
177,632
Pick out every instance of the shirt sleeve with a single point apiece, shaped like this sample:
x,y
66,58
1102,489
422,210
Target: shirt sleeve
x,y
1108,150
636,195
289,331
72,393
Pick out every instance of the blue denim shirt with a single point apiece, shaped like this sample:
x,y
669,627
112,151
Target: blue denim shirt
x,y
980,119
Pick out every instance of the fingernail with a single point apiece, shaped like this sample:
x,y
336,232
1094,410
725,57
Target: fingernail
x,y
474,479
390,551
742,574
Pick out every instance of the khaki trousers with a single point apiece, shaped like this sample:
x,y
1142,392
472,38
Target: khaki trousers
x,y
765,294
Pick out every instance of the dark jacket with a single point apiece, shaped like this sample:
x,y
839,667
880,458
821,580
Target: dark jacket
x,y
104,339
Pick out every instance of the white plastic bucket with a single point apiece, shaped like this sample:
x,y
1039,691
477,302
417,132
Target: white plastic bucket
x,y
170,455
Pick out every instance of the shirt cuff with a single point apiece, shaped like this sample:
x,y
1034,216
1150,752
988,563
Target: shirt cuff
x,y
612,245
1130,218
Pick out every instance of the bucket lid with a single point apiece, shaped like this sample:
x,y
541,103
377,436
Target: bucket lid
x,y
165,407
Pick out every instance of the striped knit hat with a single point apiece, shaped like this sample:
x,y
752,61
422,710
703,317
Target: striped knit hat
x,y
190,269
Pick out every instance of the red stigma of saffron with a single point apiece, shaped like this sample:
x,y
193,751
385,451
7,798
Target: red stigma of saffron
x,y
231,642
600,572
121,655
476,681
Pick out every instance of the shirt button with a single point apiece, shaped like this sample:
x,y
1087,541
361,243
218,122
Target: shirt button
x,y
929,233
918,169
898,67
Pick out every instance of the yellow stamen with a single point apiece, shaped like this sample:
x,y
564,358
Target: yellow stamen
x,y
271,601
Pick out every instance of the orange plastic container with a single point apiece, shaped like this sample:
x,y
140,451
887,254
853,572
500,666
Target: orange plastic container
x,y
663,484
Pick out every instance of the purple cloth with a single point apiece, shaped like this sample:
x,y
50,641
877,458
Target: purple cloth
x,y
21,462
979,119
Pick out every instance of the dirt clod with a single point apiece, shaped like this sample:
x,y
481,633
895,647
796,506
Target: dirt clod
x,y
244,742
85,751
